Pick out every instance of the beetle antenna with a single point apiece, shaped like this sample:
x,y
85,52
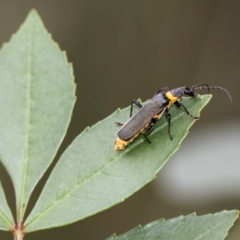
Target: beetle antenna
x,y
200,86
206,86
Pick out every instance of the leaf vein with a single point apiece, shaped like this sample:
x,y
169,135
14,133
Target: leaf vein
x,y
28,126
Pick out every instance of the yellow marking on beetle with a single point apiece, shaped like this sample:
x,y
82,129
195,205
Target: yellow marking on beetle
x,y
158,116
121,144
171,97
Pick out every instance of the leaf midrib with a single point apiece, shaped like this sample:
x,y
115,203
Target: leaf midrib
x,y
28,127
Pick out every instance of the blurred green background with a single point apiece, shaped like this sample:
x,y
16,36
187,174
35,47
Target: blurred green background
x,y
122,50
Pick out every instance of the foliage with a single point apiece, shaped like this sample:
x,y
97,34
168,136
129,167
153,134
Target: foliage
x,y
38,93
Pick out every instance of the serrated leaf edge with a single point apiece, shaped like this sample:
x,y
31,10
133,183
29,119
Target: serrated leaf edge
x,y
181,217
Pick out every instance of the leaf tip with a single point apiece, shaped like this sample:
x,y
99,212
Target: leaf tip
x,y
33,14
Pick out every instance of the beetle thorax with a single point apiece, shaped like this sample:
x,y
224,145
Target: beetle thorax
x,y
178,92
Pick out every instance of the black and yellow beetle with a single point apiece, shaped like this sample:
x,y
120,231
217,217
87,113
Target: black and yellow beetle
x,y
145,119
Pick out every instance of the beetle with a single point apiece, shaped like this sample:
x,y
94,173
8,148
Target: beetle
x,y
147,116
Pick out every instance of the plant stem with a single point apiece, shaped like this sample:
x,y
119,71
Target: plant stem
x,y
18,237
18,231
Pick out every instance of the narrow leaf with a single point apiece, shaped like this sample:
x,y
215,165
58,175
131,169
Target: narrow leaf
x,y
37,96
6,218
90,176
207,227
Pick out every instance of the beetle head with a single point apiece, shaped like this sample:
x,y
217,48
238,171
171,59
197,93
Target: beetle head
x,y
191,92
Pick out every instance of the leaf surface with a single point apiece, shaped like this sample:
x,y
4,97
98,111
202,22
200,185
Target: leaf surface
x,y
6,218
37,98
206,227
90,176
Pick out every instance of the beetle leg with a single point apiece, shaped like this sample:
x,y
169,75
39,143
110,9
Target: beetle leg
x,y
149,129
136,103
168,116
162,90
133,102
145,136
179,104
119,124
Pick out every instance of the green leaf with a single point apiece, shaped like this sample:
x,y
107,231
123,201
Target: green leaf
x,y
207,227
6,218
37,98
90,176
